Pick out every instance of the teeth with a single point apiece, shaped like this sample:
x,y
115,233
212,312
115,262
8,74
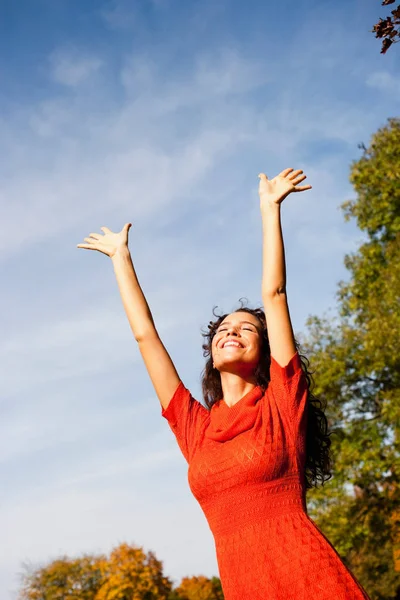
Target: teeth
x,y
232,344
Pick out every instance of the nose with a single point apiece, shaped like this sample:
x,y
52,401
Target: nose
x,y
231,330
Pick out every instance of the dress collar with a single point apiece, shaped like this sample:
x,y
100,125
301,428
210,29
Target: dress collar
x,y
226,422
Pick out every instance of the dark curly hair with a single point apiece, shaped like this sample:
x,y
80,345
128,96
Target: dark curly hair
x,y
318,461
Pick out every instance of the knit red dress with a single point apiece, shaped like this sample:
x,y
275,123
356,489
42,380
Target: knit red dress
x,y
246,467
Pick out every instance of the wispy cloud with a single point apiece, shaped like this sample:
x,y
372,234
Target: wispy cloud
x,y
120,14
127,154
127,15
385,82
106,161
69,67
65,348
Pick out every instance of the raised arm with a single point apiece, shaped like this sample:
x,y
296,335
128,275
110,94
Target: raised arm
x,y
159,365
272,193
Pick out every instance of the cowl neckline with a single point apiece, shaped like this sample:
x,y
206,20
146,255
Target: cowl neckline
x,y
226,422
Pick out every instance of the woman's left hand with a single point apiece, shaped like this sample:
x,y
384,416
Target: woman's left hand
x,y
274,191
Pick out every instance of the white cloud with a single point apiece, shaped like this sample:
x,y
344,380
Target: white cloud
x,y
126,159
70,348
385,82
213,79
69,67
120,14
134,160
126,14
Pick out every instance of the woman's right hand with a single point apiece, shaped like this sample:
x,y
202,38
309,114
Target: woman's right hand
x,y
110,243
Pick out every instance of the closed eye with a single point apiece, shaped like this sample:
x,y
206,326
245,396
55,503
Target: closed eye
x,y
248,329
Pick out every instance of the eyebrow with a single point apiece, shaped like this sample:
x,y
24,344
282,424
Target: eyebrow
x,y
229,322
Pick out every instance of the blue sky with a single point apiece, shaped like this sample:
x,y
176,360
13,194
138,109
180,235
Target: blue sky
x,y
161,113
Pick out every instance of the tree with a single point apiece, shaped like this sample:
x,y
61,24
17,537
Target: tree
x,y
64,579
385,28
199,588
127,574
358,374
131,575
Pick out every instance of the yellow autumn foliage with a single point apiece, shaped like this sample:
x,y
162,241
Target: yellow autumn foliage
x,y
127,574
199,588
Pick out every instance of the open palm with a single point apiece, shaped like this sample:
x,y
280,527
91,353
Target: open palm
x,y
109,243
275,190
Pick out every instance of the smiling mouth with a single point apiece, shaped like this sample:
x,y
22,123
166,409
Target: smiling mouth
x,y
232,346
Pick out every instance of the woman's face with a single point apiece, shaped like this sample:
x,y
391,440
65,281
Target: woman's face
x,y
245,330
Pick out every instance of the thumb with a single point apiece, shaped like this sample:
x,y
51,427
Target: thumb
x,y
127,226
262,176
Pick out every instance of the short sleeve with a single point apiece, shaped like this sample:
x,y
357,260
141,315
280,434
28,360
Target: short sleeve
x,y
289,387
187,419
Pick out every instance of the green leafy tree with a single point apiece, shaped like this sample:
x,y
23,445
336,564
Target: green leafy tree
x,y
357,373
64,579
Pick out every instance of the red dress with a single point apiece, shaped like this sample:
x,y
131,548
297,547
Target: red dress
x,y
246,465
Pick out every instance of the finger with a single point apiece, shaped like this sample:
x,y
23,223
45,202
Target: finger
x,y
295,174
299,179
89,240
98,247
96,236
86,246
106,230
127,226
302,188
285,172
262,176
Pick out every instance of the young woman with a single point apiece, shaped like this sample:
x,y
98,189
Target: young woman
x,y
261,442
